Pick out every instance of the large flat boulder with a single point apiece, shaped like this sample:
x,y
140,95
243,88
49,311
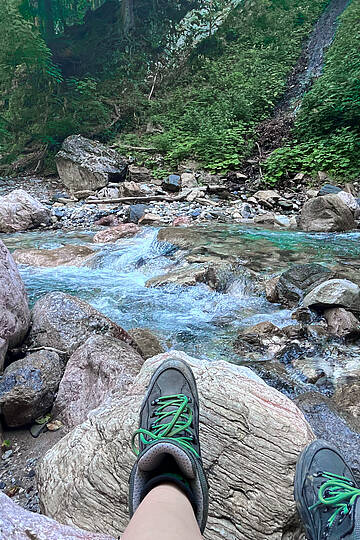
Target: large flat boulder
x,y
96,371
14,309
251,437
328,213
65,322
70,255
19,211
335,292
124,230
298,281
28,387
19,524
83,164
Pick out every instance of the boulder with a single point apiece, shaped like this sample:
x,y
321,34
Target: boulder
x,y
326,214
108,221
151,220
267,197
14,309
136,212
185,277
341,322
65,322
181,221
335,292
83,479
139,174
347,399
298,281
261,339
19,211
83,164
270,289
28,387
124,230
147,341
101,367
349,200
109,192
172,183
131,189
69,255
19,524
188,180
329,189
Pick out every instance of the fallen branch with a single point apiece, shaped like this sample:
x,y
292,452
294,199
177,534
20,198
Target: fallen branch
x,y
147,198
46,349
138,148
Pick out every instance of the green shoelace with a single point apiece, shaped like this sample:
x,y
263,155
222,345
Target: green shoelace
x,y
338,492
171,423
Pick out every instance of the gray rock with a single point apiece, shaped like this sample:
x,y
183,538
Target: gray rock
x,y
19,211
329,189
19,524
147,341
102,367
139,174
83,164
14,309
172,183
242,421
136,212
326,214
335,292
65,322
28,387
69,255
341,322
298,281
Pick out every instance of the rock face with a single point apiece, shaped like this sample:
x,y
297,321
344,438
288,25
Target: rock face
x,y
14,309
125,230
83,164
147,341
326,214
342,322
65,322
19,524
300,279
28,387
84,478
70,255
335,292
19,211
99,368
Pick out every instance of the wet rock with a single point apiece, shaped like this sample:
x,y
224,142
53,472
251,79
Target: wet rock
x,y
124,230
147,341
347,400
65,322
261,339
14,309
139,174
298,281
306,366
102,367
181,221
335,292
303,315
19,524
136,212
326,421
172,183
28,387
270,289
185,277
69,255
329,189
19,211
242,420
326,214
341,322
83,164
182,237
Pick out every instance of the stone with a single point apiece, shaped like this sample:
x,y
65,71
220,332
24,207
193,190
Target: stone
x,y
108,221
136,212
124,230
261,339
151,220
28,387
311,193
83,164
347,400
100,368
69,255
326,214
172,183
147,341
19,524
83,479
270,289
185,277
109,193
84,194
299,280
188,180
181,221
267,196
329,189
267,219
14,308
349,200
342,322
65,322
335,292
131,189
139,174
19,211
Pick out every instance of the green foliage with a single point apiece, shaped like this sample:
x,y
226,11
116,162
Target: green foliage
x,y
327,134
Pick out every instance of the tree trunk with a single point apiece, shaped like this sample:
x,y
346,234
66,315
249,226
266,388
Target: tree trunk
x,y
127,16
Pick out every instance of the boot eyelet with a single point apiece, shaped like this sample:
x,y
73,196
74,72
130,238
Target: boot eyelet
x,y
154,402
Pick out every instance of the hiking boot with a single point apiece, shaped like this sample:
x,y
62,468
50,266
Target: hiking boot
x,y
168,439
326,494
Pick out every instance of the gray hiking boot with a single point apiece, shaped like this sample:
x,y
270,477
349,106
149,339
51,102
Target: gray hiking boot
x,y
168,439
326,494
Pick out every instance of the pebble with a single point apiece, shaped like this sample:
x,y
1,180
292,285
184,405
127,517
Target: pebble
x,y
7,454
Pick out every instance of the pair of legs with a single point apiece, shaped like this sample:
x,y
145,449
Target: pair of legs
x,y
168,490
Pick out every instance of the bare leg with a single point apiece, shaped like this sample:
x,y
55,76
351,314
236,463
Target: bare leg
x,y
164,514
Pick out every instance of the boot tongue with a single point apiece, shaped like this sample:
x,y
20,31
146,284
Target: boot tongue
x,y
158,452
